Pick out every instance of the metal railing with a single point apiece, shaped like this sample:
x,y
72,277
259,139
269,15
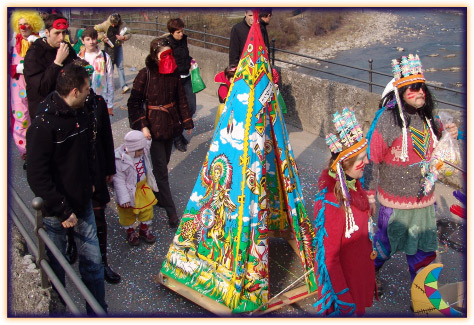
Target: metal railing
x,y
84,22
39,252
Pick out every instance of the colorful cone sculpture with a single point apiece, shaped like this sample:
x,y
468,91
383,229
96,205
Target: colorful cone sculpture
x,y
248,186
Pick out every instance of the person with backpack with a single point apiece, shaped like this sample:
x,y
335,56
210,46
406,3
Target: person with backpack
x,y
102,81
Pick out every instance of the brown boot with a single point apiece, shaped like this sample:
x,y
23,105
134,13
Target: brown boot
x,y
132,237
173,221
146,234
378,281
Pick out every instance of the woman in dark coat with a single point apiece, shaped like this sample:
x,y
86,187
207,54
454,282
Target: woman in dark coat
x,y
163,117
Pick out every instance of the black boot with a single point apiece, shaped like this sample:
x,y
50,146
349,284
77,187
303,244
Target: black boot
x,y
183,138
71,248
109,275
179,144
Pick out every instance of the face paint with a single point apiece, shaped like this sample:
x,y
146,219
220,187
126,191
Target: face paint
x,y
360,166
412,93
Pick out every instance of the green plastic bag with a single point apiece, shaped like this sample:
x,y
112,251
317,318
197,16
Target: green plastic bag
x,y
196,80
281,102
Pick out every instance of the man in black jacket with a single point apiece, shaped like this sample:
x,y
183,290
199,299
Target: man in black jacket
x,y
45,59
238,37
240,32
179,43
60,144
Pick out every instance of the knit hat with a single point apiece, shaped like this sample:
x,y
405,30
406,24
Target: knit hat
x,y
349,143
134,140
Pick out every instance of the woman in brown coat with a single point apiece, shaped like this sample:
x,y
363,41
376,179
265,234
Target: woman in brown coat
x,y
158,107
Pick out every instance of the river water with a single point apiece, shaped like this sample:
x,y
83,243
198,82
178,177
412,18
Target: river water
x,y
438,36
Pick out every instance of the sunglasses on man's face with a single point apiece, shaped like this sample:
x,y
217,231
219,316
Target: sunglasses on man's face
x,y
416,86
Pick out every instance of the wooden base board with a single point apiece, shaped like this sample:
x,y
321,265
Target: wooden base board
x,y
191,294
219,309
287,298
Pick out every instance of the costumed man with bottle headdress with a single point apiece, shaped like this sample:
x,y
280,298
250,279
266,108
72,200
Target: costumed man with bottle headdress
x,y
344,255
26,24
402,138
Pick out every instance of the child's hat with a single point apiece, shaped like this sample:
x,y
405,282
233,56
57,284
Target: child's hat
x,y
349,143
134,140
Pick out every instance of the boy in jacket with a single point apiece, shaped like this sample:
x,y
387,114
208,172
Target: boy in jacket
x,y
61,170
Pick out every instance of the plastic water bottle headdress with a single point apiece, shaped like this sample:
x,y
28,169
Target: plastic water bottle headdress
x,y
347,144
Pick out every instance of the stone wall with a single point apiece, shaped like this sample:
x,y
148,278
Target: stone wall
x,y
311,101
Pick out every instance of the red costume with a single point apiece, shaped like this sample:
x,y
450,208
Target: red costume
x,y
347,260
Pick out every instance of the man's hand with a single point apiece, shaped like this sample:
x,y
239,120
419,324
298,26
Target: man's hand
x,y
146,133
61,55
189,132
70,222
111,111
373,209
452,129
120,38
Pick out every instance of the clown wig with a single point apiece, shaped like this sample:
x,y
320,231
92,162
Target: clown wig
x,y
32,17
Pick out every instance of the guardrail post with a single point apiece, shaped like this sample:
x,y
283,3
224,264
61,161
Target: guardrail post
x,y
205,29
156,24
90,19
37,204
370,74
273,51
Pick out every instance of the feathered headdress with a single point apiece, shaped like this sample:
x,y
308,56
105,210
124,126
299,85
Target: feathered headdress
x,y
406,71
348,144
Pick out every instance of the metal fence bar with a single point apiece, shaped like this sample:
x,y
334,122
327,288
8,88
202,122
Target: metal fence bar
x,y
44,265
29,242
323,60
81,287
316,69
60,288
273,59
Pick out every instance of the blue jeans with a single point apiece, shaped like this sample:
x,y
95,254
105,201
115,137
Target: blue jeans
x,y
119,64
90,260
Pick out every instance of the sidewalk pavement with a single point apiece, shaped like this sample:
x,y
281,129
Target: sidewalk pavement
x,y
138,295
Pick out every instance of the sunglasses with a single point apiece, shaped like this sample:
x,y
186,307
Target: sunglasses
x,y
416,86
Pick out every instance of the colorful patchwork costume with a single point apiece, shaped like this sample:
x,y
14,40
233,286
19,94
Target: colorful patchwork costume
x,y
406,220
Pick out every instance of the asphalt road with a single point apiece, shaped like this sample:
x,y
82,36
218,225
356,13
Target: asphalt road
x,y
137,294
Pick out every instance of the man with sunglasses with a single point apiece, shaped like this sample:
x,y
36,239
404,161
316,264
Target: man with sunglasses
x,y
402,138
45,59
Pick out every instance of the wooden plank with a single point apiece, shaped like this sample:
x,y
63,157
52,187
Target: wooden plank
x,y
194,296
288,298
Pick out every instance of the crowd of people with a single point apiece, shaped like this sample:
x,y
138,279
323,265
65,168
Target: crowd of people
x,y
62,97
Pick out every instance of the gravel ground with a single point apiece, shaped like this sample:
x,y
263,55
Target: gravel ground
x,y
26,297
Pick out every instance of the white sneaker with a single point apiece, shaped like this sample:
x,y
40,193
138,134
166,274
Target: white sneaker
x,y
125,89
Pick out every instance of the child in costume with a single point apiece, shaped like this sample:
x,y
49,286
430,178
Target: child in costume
x,y
134,185
343,226
103,76
224,78
401,139
26,24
